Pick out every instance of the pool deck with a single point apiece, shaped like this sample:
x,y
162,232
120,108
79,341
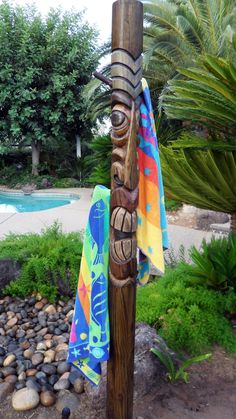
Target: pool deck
x,y
73,217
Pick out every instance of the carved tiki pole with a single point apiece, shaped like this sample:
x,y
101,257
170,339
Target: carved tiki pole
x,y
127,40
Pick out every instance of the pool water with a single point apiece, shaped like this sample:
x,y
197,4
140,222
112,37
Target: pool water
x,y
13,203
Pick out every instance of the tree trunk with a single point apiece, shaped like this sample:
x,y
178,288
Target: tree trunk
x,y
36,146
233,223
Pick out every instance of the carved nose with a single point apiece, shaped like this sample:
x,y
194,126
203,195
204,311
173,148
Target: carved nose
x,y
131,160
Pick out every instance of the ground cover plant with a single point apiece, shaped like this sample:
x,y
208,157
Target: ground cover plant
x,y
178,373
49,262
189,316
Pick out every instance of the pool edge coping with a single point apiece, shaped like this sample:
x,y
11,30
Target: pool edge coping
x,y
75,195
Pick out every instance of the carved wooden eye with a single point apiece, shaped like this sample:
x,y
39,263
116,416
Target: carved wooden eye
x,y
117,118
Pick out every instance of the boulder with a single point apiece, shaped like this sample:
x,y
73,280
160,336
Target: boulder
x,y
148,370
9,270
206,218
25,399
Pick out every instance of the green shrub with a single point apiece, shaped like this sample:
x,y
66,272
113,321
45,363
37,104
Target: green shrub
x,y
14,178
98,164
215,264
49,262
172,205
66,183
190,318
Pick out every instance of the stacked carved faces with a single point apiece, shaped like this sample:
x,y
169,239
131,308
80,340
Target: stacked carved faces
x,y
126,80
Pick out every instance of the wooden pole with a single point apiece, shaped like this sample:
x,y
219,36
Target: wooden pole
x,y
126,71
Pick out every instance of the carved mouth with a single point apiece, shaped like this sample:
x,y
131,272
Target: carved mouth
x,y
123,221
118,181
123,250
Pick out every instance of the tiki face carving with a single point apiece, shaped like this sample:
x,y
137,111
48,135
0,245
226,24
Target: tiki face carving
x,y
124,195
126,74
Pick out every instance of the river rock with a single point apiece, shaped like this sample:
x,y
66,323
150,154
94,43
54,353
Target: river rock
x,y
47,398
63,367
11,379
8,371
8,360
41,346
32,301
40,374
49,356
2,351
65,376
61,347
31,372
22,376
25,345
33,385
79,385
61,356
43,331
12,322
74,375
50,309
39,305
5,389
37,358
20,384
48,369
62,384
25,399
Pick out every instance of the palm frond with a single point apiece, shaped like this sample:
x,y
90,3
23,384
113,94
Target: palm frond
x,y
200,177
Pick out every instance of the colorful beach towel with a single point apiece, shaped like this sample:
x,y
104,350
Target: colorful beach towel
x,y
152,226
89,337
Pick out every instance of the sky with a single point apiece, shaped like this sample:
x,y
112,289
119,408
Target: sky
x,y
98,12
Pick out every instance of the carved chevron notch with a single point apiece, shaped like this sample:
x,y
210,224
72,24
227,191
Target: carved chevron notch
x,y
126,86
119,70
126,73
120,56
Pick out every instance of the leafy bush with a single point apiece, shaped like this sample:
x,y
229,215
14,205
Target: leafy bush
x,y
98,164
172,205
49,262
190,318
215,264
14,178
66,183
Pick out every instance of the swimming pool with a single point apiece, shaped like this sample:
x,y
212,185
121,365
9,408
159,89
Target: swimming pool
x,y
18,202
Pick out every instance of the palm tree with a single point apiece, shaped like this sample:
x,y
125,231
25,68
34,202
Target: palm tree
x,y
200,171
205,178
176,32
206,96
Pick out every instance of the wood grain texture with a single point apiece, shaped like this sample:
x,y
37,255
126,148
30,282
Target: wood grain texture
x,y
127,27
121,365
126,87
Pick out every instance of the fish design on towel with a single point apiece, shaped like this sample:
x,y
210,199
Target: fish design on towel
x,y
99,304
97,217
89,338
